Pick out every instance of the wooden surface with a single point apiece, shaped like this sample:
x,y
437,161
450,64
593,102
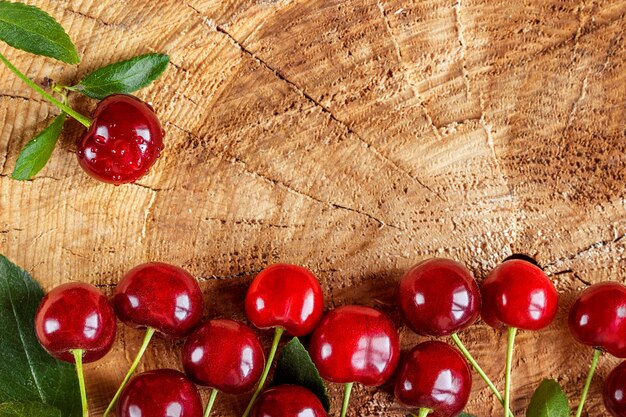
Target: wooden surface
x,y
353,137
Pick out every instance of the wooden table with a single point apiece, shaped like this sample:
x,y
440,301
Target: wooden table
x,y
353,137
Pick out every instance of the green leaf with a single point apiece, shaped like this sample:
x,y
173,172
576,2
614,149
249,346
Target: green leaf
x,y
123,77
37,152
15,409
296,367
548,401
27,372
464,414
33,30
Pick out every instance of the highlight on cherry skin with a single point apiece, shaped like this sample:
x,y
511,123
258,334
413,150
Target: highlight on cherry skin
x,y
598,318
160,393
439,297
288,401
225,355
434,378
355,344
75,316
123,142
518,294
614,392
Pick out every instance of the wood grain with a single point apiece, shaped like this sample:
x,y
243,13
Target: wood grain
x,y
353,137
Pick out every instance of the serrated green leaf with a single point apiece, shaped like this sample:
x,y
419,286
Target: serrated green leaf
x,y
123,77
33,30
27,372
16,409
295,367
36,153
464,414
548,401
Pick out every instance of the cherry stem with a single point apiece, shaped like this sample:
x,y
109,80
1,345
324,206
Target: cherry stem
x,y
509,359
278,333
64,107
209,406
592,370
347,390
131,370
424,412
455,338
78,359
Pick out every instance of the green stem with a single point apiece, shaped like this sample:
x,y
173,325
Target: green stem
x,y
78,359
67,109
592,370
457,340
270,359
347,390
209,406
133,366
509,359
424,412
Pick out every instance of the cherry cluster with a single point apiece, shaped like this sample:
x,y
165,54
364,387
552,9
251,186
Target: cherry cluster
x,y
350,344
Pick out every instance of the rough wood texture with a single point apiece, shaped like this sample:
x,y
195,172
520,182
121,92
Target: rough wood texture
x,y
353,137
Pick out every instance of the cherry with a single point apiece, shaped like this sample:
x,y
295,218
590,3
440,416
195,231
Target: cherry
x,y
435,378
75,316
288,401
518,294
160,393
225,355
598,318
439,297
76,323
355,344
123,141
287,298
615,391
160,297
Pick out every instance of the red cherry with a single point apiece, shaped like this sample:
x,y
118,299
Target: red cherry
x,y
123,142
518,294
288,401
287,296
598,318
160,296
434,375
224,354
439,297
160,393
355,344
615,391
75,316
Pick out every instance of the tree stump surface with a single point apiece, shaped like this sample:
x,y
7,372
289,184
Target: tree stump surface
x,y
353,137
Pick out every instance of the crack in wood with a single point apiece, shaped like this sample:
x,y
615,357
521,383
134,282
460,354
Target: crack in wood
x,y
587,250
95,19
461,38
230,276
255,222
323,108
404,68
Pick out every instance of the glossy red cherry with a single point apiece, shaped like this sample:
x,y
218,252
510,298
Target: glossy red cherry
x,y
518,294
288,401
75,316
287,296
434,375
123,142
160,393
598,318
224,354
160,296
615,391
439,297
355,344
